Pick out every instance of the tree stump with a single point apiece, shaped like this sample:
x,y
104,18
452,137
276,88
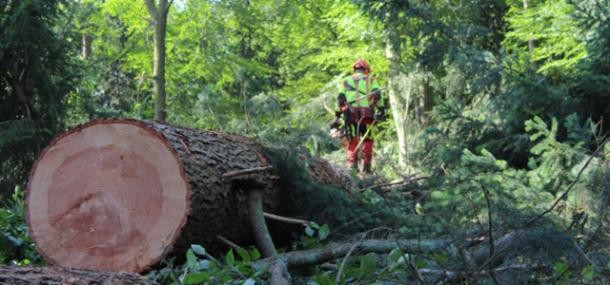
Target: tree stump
x,y
118,195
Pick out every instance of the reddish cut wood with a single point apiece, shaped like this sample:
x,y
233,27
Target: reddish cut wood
x,y
119,195
108,195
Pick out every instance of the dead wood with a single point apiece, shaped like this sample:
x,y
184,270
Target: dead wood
x,y
286,219
55,275
246,171
339,250
258,225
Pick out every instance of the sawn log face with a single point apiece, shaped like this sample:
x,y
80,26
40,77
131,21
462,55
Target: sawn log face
x,y
119,195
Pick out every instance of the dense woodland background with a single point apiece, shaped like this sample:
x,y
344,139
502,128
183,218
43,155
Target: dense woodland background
x,y
499,111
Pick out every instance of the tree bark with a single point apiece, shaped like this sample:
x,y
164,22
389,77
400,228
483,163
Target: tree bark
x,y
530,42
159,14
338,250
398,104
53,275
258,225
86,45
118,195
426,97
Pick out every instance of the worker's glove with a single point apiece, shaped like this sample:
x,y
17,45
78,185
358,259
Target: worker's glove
x,y
380,115
336,133
335,124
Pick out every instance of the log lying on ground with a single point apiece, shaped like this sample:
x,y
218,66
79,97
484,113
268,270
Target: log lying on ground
x,y
53,275
118,195
339,250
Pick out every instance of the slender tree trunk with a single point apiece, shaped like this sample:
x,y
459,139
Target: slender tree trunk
x,y
86,45
530,42
19,87
426,98
158,14
399,110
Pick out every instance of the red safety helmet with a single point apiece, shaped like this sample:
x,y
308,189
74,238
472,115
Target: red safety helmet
x,y
361,63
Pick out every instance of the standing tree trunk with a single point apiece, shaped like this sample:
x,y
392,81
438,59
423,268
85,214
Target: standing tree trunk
x,y
86,45
158,14
118,195
530,42
426,98
397,102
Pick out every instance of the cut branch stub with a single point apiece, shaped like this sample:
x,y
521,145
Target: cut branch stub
x,y
116,194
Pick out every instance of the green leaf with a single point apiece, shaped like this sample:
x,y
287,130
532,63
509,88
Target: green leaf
x,y
367,265
588,273
323,280
230,258
419,209
204,265
323,232
309,231
243,254
421,264
191,260
394,256
198,249
560,267
255,254
196,278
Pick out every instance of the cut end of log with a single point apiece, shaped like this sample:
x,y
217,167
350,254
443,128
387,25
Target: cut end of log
x,y
109,195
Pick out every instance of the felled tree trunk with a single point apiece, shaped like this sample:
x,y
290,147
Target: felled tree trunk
x,y
52,275
118,195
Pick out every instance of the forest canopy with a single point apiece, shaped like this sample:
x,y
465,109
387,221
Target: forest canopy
x,y
498,114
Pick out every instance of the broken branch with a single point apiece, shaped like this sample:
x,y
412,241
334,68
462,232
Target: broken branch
x,y
286,219
338,250
246,171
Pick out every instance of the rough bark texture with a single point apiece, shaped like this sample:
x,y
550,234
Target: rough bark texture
x,y
60,276
218,205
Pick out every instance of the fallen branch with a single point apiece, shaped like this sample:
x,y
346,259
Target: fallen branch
x,y
57,275
452,276
279,273
246,171
286,219
227,241
278,269
338,250
393,184
259,227
344,261
508,243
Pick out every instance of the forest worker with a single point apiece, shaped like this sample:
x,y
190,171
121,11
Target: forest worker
x,y
357,100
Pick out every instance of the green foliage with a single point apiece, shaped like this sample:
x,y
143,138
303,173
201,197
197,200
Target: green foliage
x,y
558,46
202,268
36,75
293,168
517,101
16,248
